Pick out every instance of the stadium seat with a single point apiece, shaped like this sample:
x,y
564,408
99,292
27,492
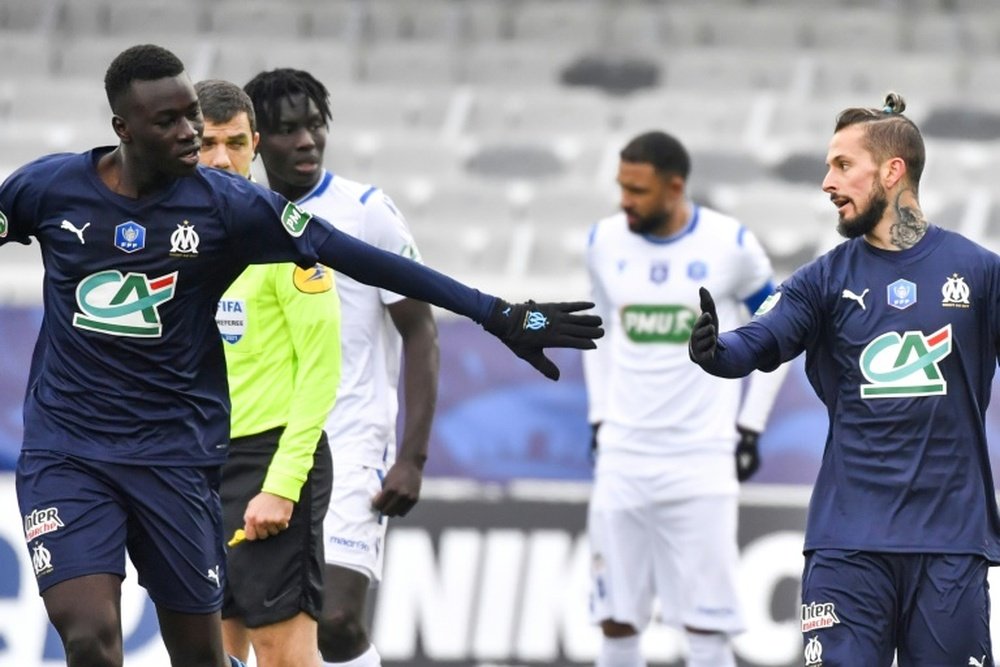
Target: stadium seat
x,y
486,20
641,27
612,74
89,57
541,111
927,75
410,63
752,27
389,109
520,65
252,19
580,22
464,201
873,30
723,70
40,101
980,76
572,205
559,253
150,20
392,157
392,20
333,64
788,220
36,16
82,18
333,21
806,167
955,166
716,166
509,160
981,29
692,116
962,122
23,56
477,247
935,32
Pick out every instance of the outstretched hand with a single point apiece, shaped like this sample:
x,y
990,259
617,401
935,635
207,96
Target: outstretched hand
x,y
705,333
528,328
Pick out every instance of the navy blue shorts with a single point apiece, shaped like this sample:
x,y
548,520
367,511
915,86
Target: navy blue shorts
x,y
858,607
81,515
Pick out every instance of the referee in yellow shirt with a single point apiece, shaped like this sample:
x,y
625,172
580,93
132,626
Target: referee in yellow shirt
x,y
281,327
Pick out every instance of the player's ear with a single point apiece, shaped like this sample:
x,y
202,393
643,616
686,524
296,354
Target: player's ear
x,y
676,183
120,127
893,170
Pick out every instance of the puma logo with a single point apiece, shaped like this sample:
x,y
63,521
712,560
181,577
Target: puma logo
x,y
977,663
860,298
66,224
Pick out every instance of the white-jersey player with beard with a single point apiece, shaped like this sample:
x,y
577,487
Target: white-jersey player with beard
x,y
663,512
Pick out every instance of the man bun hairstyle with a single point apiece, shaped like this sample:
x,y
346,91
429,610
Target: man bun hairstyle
x,y
888,134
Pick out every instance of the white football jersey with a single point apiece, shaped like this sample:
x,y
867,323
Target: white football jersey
x,y
362,425
651,398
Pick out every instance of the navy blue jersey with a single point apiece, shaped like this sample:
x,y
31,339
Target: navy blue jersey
x,y
901,347
130,292
129,364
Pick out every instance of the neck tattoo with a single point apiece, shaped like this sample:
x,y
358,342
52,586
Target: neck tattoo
x,y
910,225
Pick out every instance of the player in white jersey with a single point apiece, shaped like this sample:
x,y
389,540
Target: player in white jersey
x,y
379,327
663,511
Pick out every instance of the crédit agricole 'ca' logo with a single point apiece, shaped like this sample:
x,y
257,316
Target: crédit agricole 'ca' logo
x,y
123,305
906,365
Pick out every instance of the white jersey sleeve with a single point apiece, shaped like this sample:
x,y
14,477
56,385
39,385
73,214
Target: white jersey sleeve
x,y
386,228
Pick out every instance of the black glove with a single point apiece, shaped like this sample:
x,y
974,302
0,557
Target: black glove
x,y
747,456
705,333
528,328
594,428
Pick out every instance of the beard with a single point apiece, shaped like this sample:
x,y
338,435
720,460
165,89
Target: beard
x,y
649,224
865,221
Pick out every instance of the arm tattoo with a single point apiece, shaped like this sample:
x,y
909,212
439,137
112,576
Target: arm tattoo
x,y
910,225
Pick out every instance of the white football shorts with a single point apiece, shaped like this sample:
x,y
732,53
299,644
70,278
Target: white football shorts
x,y
353,532
681,552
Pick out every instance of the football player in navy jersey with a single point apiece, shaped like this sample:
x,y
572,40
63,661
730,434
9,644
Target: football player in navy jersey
x,y
900,325
126,415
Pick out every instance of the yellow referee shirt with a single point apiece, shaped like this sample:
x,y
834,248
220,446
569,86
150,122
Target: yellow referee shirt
x,y
281,327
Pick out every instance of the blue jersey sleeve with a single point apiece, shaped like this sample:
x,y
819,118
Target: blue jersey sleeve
x,y
793,314
373,266
782,328
20,198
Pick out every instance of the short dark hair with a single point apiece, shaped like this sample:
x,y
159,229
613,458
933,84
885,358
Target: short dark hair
x,y
143,62
888,133
222,101
663,151
267,89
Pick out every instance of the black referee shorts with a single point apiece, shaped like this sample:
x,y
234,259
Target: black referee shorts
x,y
272,580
